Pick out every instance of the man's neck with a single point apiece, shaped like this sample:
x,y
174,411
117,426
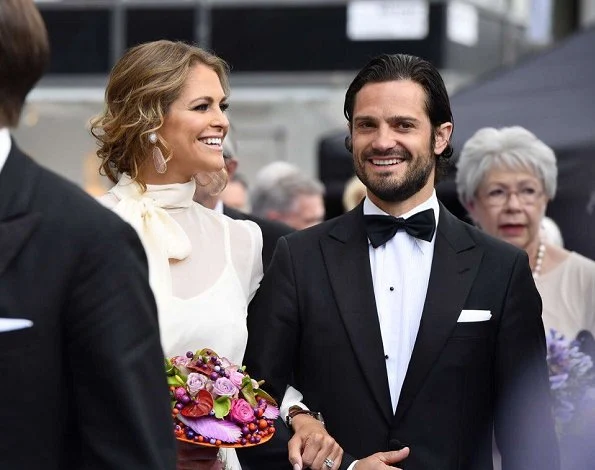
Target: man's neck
x,y
399,208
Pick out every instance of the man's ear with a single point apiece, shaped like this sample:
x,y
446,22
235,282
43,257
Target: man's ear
x,y
442,137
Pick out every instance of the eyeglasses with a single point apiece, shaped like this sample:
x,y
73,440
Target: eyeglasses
x,y
499,196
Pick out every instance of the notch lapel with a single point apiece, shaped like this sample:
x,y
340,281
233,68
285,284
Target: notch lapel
x,y
346,256
13,235
18,180
454,267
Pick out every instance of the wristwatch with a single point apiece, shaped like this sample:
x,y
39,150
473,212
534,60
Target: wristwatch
x,y
296,410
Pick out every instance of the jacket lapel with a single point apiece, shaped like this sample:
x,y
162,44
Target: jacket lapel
x,y
454,267
18,179
346,256
13,235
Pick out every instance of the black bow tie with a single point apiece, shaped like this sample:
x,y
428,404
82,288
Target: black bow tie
x,y
381,228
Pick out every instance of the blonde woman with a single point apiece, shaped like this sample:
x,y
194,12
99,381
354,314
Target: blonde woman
x,y
164,122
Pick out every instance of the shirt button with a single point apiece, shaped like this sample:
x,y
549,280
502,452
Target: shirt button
x,y
391,288
386,356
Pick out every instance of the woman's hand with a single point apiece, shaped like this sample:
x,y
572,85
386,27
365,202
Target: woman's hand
x,y
192,457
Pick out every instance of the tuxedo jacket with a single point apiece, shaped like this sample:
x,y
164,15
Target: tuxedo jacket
x,y
271,232
315,317
83,387
273,455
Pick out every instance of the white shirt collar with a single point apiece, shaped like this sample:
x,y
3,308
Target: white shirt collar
x,y
5,145
432,203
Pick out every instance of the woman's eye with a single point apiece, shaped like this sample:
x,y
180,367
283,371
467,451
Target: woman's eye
x,y
495,193
201,107
529,191
224,106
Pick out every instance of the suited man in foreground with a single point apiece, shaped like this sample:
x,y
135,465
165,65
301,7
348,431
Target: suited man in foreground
x,y
83,385
403,326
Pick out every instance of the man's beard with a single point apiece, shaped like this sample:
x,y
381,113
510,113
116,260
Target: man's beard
x,y
390,189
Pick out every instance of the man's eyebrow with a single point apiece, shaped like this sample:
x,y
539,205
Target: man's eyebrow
x,y
401,118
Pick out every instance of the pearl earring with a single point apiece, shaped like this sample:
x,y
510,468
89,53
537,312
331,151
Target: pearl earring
x,y
158,159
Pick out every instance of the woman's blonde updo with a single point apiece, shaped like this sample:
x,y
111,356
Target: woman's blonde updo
x,y
141,88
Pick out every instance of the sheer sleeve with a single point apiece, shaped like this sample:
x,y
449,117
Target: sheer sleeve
x,y
246,244
257,269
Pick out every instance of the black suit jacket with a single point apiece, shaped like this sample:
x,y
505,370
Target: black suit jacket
x,y
316,304
271,232
273,455
84,387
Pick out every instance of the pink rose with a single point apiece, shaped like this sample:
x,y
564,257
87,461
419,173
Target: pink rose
x,y
195,383
180,362
224,387
235,376
241,411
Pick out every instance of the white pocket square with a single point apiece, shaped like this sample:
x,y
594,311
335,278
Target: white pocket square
x,y
12,324
468,316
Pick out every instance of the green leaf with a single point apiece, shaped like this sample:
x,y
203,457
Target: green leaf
x,y
262,394
222,405
249,396
246,380
175,380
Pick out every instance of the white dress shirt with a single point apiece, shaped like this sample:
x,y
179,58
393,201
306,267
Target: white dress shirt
x,y
4,146
400,274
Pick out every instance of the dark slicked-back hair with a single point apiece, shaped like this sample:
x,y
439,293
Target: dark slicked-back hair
x,y
391,67
24,55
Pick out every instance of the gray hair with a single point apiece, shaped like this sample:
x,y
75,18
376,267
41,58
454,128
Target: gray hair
x,y
509,147
280,195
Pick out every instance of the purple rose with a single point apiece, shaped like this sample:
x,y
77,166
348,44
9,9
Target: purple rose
x,y
180,362
241,411
195,383
235,376
224,387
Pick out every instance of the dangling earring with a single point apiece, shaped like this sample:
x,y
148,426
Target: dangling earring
x,y
158,159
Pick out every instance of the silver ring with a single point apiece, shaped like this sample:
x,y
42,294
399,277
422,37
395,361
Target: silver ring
x,y
329,462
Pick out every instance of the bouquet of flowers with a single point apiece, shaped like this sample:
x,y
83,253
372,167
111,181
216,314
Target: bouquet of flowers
x,y
572,381
216,403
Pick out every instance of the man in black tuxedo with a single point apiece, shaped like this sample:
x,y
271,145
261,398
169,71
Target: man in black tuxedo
x,y
403,326
80,356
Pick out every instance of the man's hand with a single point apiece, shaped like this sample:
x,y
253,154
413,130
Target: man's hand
x,y
382,460
311,445
191,457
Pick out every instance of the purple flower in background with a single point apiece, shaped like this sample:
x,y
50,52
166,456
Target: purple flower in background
x,y
225,387
195,383
571,379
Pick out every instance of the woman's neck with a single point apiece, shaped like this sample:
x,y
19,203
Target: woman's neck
x,y
536,251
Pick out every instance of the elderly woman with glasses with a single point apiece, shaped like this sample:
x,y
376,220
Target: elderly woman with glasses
x,y
505,179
